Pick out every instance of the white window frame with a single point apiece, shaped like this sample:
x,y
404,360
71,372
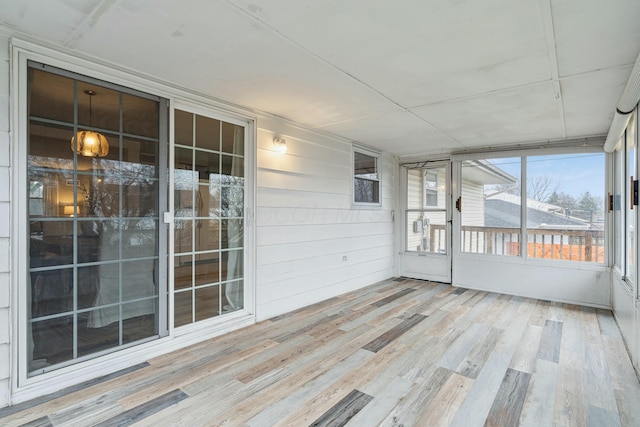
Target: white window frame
x,y
523,258
376,155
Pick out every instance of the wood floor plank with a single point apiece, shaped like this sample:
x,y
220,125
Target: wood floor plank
x,y
444,356
626,389
343,411
40,422
550,341
598,387
317,405
590,326
556,312
443,407
525,357
569,405
507,406
540,313
450,321
382,403
541,395
602,418
385,339
474,409
472,364
459,350
303,373
410,408
142,411
79,388
306,328
607,323
277,411
393,297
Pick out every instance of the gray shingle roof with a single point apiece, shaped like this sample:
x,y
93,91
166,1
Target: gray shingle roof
x,y
500,213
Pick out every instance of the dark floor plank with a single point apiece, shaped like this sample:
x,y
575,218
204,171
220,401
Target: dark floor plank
x,y
140,412
307,327
393,297
343,411
383,340
308,308
40,422
509,400
459,291
550,343
4,412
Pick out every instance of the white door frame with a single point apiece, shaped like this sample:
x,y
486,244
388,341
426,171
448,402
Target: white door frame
x,y
425,265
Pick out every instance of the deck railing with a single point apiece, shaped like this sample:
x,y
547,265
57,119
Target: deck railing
x,y
570,245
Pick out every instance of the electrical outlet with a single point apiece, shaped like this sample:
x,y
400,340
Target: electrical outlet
x,y
344,258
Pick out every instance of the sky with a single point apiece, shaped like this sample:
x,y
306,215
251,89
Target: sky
x,y
573,173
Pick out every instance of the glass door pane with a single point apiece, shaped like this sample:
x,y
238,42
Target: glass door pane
x,y
94,243
209,218
426,222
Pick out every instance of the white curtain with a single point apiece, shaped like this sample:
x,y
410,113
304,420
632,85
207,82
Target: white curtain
x,y
234,291
137,277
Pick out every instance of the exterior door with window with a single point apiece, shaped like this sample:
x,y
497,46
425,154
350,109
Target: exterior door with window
x,y
427,234
95,277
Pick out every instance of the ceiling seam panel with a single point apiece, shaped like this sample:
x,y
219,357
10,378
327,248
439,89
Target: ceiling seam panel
x,y
480,95
436,128
314,55
546,10
89,22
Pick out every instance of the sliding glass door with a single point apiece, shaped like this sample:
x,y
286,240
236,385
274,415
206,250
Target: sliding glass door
x,y
209,194
97,276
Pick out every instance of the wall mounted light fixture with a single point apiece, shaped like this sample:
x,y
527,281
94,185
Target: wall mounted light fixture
x,y
87,142
280,144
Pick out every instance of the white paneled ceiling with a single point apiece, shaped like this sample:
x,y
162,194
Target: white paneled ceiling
x,y
408,77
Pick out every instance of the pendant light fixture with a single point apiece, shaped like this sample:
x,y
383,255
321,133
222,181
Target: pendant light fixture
x,y
87,142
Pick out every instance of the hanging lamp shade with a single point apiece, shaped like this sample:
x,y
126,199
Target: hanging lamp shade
x,y
90,144
87,142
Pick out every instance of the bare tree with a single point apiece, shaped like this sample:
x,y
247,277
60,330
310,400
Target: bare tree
x,y
541,187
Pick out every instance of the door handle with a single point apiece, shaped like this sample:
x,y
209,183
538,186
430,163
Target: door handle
x,y
459,204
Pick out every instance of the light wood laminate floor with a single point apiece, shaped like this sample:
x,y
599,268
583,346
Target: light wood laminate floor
x,y
398,353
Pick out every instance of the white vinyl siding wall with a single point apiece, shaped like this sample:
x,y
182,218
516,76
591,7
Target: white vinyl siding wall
x,y
472,214
414,201
305,223
472,204
5,282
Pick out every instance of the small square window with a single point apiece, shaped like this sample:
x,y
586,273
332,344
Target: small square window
x,y
366,178
431,189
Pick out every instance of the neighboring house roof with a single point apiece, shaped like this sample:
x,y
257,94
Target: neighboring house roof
x,y
484,172
500,213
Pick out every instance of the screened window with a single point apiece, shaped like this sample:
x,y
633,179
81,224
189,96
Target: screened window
x,y
565,207
617,206
366,181
431,189
490,206
631,221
